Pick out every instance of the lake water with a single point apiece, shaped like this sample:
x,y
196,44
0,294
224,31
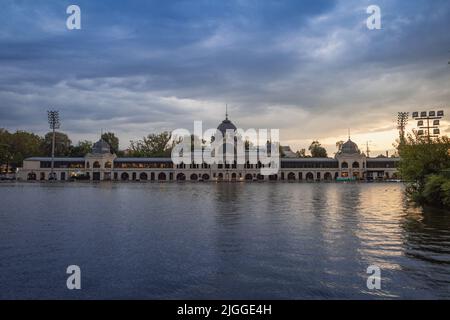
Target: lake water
x,y
226,241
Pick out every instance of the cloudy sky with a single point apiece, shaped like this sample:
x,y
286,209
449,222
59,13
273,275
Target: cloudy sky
x,y
310,68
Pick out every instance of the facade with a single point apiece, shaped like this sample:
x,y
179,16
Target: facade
x,y
100,165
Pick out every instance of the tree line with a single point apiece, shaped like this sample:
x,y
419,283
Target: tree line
x,y
19,145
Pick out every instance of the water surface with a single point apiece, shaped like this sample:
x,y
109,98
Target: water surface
x,y
225,241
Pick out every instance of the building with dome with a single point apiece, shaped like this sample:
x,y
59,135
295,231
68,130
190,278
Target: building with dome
x,y
352,163
100,164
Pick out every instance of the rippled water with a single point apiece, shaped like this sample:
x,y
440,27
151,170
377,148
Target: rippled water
x,y
230,241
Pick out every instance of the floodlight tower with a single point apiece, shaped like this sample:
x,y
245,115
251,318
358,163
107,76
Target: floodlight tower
x,y
428,123
402,121
53,121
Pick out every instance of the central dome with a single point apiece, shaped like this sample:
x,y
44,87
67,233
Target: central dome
x,y
226,125
350,147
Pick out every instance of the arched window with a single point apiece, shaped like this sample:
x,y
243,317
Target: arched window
x,y
344,165
143,176
108,165
96,164
355,165
161,176
32,176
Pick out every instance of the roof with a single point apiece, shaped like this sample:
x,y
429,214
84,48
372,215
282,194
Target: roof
x,y
308,160
226,125
67,159
349,147
101,147
382,159
143,160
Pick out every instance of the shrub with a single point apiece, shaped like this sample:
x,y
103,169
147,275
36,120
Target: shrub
x,y
436,190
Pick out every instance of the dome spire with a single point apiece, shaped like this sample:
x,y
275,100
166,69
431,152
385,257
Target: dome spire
x,y
226,111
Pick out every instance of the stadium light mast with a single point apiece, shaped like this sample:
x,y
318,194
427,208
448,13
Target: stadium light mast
x,y
428,123
402,121
53,121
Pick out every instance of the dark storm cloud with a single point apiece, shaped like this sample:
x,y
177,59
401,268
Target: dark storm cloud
x,y
140,66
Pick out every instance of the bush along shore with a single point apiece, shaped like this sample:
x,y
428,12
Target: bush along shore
x,y
425,163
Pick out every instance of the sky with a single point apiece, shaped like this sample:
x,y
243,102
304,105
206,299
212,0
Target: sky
x,y
310,68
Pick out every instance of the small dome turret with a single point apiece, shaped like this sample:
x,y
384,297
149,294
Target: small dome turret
x,y
101,147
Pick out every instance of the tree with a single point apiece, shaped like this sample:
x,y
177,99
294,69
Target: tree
x,y
154,145
80,150
23,145
301,153
317,151
5,149
62,144
420,158
422,164
112,140
339,145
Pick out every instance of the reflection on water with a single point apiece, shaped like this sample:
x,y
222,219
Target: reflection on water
x,y
256,240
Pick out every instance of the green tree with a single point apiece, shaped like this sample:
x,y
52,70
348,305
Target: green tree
x,y
81,149
317,151
112,140
420,158
5,149
339,144
301,153
422,165
62,144
23,145
436,190
154,145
